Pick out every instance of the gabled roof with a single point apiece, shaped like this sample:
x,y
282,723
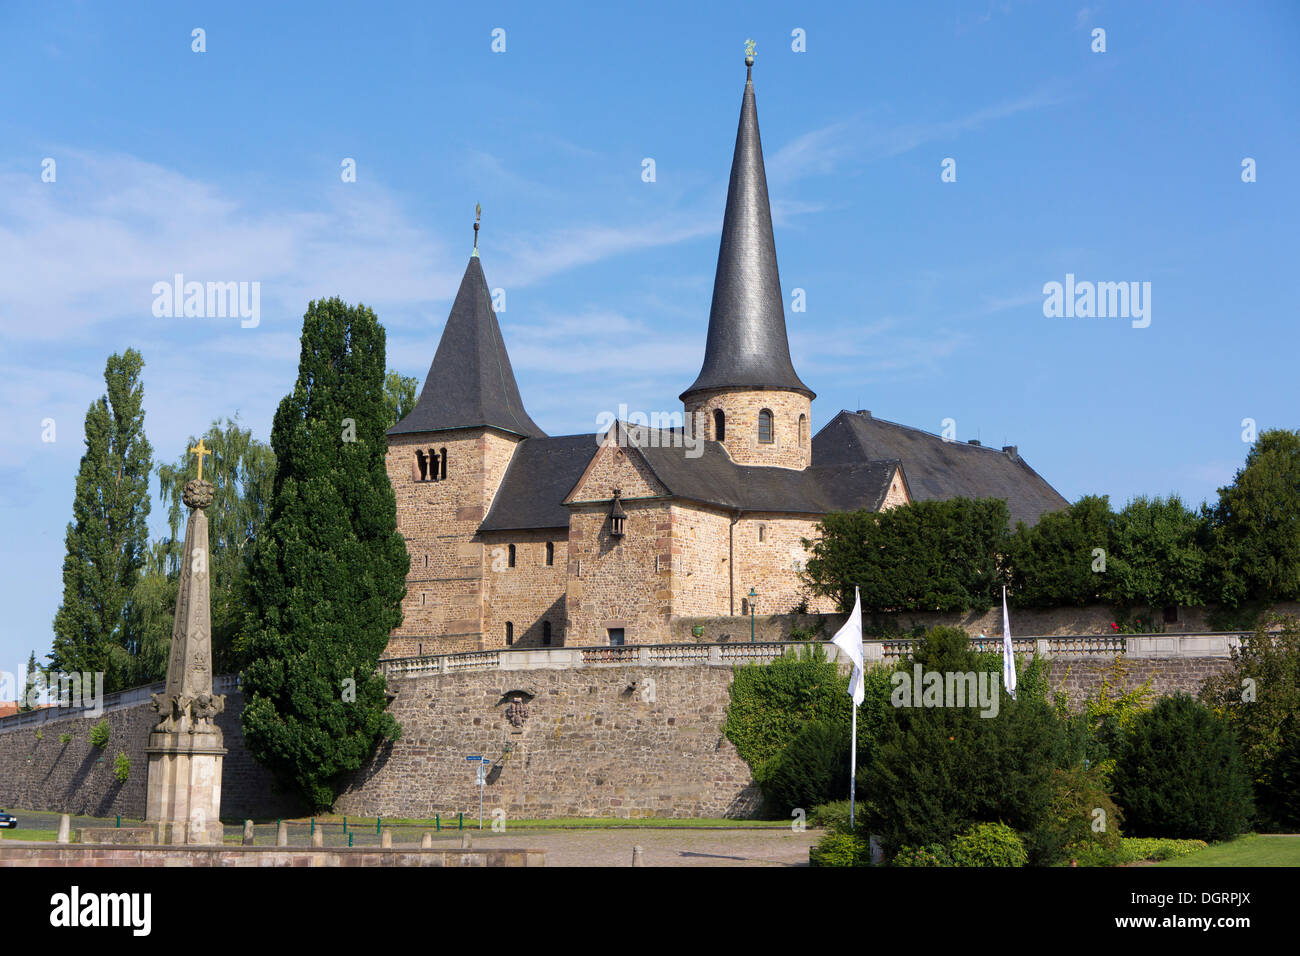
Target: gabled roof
x,y
541,473
470,382
937,468
747,344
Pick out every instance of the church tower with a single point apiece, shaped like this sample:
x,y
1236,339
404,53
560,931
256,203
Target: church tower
x,y
446,460
747,395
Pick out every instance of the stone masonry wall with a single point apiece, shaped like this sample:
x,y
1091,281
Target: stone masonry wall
x,y
47,774
443,608
529,595
614,742
741,408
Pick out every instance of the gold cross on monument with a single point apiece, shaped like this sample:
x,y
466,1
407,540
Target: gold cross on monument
x,y
200,449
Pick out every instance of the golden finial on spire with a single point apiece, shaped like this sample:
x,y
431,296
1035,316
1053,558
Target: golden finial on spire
x,y
200,449
478,211
749,53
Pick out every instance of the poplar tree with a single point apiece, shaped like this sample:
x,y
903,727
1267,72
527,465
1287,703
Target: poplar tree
x,y
329,570
107,539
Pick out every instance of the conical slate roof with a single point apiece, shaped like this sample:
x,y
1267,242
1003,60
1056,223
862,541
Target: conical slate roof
x,y
747,344
470,383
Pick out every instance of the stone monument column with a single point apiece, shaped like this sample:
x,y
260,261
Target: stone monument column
x,y
185,749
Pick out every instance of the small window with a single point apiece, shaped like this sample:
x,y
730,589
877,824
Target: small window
x,y
512,556
442,465
546,633
762,533
510,633
803,429
765,427
615,636
550,554
433,465
719,425
423,464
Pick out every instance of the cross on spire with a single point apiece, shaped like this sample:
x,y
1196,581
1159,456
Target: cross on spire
x,y
200,449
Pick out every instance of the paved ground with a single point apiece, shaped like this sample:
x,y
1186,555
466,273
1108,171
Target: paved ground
x,y
602,847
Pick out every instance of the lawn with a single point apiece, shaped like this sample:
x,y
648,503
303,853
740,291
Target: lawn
x,y
1252,850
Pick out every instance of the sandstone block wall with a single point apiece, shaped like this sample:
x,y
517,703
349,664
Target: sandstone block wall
x,y
77,777
592,744
741,408
529,595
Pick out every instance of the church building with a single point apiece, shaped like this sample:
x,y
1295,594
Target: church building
x,y
518,538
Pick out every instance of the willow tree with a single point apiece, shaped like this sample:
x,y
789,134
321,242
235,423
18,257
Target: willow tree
x,y
329,570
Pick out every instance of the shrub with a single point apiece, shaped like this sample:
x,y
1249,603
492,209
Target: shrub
x,y
1108,714
100,733
812,769
1259,695
833,816
1181,774
989,844
121,767
1134,850
840,849
1074,826
65,738
934,854
1051,564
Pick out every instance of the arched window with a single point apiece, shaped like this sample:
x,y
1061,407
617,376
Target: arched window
x,y
550,554
762,533
803,429
719,425
765,427
546,633
512,556
423,464
510,633
433,465
442,465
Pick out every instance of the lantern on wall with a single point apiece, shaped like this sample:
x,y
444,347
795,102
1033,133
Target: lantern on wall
x,y
617,516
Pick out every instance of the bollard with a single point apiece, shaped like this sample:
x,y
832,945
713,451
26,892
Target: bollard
x,y
65,829
119,821
281,833
313,826
637,858
426,841
466,841
248,833
349,839
462,821
386,839
318,838
345,825
379,824
437,823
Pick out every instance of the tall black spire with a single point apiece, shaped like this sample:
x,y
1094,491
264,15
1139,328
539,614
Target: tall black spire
x,y
470,382
747,344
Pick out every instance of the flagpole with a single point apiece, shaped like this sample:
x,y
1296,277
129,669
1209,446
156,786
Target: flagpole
x,y
853,768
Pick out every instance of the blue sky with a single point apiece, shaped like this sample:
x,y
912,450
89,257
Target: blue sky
x,y
924,298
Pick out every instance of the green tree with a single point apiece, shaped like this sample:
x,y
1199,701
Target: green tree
x,y
399,395
107,539
1156,557
925,556
1256,524
31,680
1056,562
1180,774
329,570
242,470
1259,695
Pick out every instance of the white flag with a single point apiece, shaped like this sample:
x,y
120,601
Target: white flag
x,y
849,640
1008,658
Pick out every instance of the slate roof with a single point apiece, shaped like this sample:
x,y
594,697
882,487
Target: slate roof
x,y
856,457
938,469
747,344
470,382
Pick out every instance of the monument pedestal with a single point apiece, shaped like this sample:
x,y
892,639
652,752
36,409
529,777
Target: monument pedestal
x,y
184,797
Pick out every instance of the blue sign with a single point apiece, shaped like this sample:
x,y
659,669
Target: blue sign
x,y
474,758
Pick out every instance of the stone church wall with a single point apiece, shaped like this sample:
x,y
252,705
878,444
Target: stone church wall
x,y
529,594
